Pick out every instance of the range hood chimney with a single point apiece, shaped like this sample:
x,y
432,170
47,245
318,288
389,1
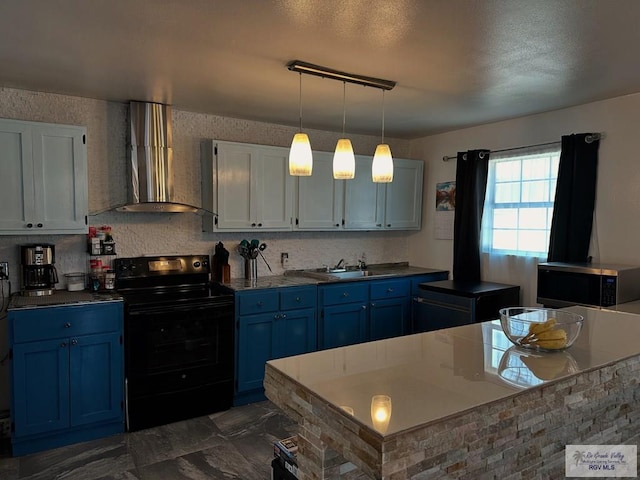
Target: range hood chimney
x,y
151,161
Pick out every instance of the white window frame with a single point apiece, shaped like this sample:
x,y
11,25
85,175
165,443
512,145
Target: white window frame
x,y
548,153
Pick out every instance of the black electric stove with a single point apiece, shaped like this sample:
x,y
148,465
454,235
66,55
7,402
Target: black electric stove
x,y
179,339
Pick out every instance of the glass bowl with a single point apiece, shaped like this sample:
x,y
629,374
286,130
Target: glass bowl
x,y
542,329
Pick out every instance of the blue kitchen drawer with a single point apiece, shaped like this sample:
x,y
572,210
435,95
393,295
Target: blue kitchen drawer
x,y
65,321
390,289
348,292
250,303
294,298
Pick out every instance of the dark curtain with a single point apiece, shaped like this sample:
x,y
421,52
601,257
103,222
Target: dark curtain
x,y
575,199
471,184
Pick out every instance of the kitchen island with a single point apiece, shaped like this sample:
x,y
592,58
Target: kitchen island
x,y
464,402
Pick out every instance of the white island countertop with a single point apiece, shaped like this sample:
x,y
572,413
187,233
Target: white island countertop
x,y
435,376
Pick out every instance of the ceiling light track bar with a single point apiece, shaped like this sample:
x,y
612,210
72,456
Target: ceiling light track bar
x,y
310,69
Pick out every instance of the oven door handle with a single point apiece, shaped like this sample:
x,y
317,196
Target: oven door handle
x,y
181,308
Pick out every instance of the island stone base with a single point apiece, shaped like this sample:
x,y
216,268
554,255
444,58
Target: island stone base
x,y
520,437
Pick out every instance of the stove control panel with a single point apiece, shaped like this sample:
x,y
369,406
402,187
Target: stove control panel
x,y
162,266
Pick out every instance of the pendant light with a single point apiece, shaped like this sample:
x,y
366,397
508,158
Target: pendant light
x,y
300,156
382,167
344,161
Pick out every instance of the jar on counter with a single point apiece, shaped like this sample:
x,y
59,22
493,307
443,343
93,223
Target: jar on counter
x,y
109,280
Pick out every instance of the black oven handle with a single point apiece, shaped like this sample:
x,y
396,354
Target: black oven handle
x,y
181,308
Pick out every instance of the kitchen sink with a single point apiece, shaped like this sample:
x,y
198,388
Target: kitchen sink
x,y
348,274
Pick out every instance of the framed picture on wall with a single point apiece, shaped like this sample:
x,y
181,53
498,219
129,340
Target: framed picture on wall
x,y
445,210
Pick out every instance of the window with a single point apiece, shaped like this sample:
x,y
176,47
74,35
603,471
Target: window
x,y
521,188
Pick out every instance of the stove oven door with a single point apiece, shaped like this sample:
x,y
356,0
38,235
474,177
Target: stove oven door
x,y
178,361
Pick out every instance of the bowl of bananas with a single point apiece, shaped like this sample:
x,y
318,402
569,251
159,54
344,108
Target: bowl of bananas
x,y
542,329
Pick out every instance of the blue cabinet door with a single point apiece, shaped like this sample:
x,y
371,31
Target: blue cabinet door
x,y
389,318
294,332
342,325
96,374
255,347
40,386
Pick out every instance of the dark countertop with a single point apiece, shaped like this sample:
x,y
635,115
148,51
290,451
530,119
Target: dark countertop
x,y
293,278
465,289
62,298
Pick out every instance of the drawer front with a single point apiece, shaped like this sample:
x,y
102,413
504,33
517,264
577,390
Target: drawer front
x,y
59,322
390,289
295,298
344,293
258,302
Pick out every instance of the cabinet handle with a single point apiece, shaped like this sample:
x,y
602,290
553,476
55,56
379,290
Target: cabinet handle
x,y
297,299
389,290
259,224
337,224
63,344
253,224
74,342
372,305
284,315
364,307
378,224
67,325
388,225
276,316
29,225
345,294
259,303
39,225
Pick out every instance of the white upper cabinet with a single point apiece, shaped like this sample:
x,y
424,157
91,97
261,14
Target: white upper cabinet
x,y
320,197
248,186
403,202
389,206
44,175
364,200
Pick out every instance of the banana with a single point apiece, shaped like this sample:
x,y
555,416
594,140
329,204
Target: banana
x,y
558,334
536,328
548,338
555,344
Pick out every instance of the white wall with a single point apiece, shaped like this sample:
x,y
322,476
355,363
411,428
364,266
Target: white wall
x,y
616,237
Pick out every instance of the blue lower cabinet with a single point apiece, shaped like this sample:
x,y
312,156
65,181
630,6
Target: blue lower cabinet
x,y
343,325
389,318
70,388
286,326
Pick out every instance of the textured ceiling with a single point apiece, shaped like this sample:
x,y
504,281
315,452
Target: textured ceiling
x,y
456,62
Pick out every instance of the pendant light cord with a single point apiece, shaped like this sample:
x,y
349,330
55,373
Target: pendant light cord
x,y
382,116
344,106
300,101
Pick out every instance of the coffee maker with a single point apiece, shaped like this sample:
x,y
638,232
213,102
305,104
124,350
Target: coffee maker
x,y
38,273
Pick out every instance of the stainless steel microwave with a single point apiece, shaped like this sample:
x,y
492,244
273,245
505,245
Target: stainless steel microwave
x,y
598,285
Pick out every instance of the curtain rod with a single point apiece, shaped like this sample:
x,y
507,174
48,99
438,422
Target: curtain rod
x,y
589,139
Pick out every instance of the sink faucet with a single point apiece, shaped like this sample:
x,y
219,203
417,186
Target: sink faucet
x,y
339,264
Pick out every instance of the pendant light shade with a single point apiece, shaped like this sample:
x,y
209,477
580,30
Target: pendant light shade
x,y
382,168
344,161
300,156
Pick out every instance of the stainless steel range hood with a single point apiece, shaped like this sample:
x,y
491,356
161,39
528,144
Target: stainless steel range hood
x,y
151,161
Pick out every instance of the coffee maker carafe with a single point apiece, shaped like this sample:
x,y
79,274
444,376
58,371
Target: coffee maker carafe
x,y
38,272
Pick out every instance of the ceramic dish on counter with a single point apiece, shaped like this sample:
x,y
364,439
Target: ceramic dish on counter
x,y
75,281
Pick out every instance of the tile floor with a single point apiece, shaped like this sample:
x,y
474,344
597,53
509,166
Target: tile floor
x,y
235,444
